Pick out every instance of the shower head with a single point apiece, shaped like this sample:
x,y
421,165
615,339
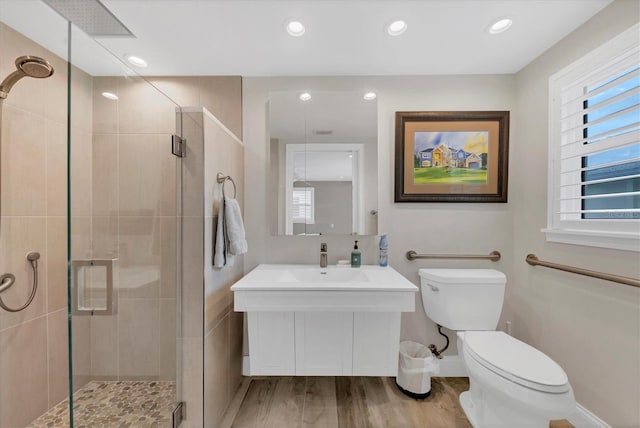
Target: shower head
x,y
27,66
34,66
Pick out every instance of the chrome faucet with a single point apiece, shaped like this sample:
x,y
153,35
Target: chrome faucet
x,y
323,257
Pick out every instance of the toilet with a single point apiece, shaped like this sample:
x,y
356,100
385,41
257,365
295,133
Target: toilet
x,y
511,384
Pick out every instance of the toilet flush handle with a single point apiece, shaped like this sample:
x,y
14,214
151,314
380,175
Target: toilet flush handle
x,y
433,287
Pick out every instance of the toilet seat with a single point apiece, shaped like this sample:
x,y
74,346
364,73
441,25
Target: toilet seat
x,y
516,361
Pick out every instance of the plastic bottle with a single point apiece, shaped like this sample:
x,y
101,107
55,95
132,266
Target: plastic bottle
x,y
356,256
384,247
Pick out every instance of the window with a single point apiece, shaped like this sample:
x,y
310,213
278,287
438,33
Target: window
x,y
302,205
594,148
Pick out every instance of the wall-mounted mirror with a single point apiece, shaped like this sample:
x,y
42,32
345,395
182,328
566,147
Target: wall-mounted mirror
x,y
323,164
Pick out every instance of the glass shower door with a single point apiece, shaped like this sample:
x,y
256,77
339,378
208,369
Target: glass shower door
x,y
124,234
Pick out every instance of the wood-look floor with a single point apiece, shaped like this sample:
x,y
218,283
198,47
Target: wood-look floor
x,y
351,402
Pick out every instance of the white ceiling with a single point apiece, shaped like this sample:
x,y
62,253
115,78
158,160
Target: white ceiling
x,y
247,37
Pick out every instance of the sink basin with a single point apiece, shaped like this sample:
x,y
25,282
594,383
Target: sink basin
x,y
292,275
304,287
330,276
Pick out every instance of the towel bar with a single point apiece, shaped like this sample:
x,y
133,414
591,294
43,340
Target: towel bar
x,y
222,179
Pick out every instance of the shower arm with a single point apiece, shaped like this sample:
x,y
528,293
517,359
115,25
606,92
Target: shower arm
x,y
8,83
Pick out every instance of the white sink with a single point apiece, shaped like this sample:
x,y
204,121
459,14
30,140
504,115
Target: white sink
x,y
305,287
329,276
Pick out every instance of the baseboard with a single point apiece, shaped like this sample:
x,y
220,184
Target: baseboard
x,y
246,368
235,404
452,366
583,418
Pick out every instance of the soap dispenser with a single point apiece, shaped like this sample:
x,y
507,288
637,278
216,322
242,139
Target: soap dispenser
x,y
355,256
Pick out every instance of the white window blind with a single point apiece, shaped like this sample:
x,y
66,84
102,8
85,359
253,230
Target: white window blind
x,y
594,140
302,202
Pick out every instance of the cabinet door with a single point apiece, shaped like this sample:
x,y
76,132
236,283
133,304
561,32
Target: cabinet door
x,y
324,343
271,343
376,341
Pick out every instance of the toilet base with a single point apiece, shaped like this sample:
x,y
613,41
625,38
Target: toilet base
x,y
468,408
486,409
413,394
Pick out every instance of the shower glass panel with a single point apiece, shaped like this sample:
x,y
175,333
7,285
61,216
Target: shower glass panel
x,y
87,181
124,193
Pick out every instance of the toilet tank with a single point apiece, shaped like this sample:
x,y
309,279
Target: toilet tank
x,y
463,299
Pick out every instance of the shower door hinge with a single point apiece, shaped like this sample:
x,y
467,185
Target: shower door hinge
x,y
179,414
177,146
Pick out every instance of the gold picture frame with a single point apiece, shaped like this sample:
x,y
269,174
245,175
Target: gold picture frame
x,y
459,156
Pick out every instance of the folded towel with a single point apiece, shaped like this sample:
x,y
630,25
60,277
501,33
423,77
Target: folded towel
x,y
234,227
221,256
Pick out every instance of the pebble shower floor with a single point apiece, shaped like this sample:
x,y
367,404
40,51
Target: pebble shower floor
x,y
123,404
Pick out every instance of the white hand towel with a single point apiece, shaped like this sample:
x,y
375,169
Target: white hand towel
x,y
234,227
221,257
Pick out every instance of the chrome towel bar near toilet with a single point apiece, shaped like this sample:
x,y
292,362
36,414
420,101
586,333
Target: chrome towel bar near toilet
x,y
494,256
533,260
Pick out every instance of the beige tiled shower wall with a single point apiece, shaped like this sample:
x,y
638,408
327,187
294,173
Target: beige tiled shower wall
x,y
133,218
33,342
220,95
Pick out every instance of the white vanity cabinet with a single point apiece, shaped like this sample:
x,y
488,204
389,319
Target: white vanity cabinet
x,y
301,322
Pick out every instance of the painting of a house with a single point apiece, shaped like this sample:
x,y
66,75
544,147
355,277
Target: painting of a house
x,y
450,157
472,161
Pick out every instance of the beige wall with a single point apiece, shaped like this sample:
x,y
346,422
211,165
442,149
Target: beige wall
x,y
33,343
590,327
470,227
212,336
223,327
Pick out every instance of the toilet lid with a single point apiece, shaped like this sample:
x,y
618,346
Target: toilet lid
x,y
516,361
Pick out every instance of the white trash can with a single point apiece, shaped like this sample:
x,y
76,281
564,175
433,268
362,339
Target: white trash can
x,y
416,365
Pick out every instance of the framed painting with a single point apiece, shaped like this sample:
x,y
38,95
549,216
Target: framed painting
x,y
460,156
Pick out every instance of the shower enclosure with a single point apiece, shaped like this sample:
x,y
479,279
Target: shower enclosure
x,y
88,182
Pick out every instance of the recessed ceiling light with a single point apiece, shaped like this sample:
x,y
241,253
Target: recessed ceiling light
x,y
500,26
369,96
136,60
295,28
396,28
110,95
305,96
